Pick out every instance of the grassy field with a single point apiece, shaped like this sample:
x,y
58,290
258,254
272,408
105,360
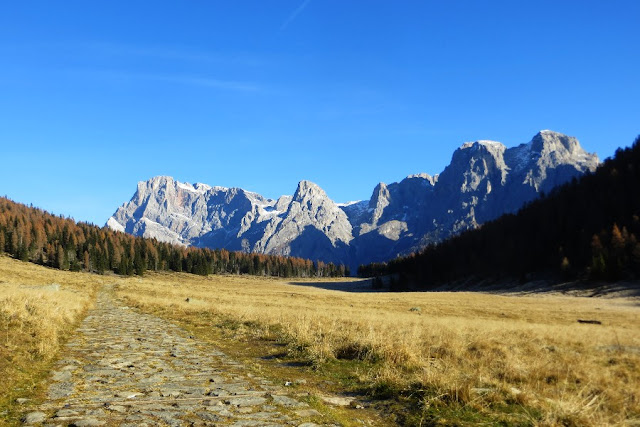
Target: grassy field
x,y
39,307
424,358
446,356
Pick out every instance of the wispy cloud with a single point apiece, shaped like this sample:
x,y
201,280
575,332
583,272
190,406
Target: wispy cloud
x,y
176,53
294,15
160,52
232,85
92,50
182,79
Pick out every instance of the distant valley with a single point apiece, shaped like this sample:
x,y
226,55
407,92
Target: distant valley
x,y
483,181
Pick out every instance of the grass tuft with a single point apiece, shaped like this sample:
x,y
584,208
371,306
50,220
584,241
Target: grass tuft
x,y
39,308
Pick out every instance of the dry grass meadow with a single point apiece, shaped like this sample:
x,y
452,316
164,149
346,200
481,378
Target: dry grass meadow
x,y
463,356
39,307
443,358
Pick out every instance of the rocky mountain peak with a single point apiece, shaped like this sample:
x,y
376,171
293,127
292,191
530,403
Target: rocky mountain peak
x,y
380,196
308,190
424,176
152,185
475,165
314,205
482,153
158,181
547,141
380,199
494,148
483,181
550,159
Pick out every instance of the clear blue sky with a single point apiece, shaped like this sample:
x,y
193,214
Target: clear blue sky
x,y
97,95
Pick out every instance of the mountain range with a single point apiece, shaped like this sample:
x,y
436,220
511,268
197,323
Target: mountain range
x,y
484,180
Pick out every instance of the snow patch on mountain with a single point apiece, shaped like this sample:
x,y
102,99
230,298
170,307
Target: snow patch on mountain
x,y
115,225
484,180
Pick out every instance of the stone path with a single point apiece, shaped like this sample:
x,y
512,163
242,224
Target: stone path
x,y
130,369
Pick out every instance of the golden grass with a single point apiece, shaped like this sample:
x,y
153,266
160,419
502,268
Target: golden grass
x,y
470,356
38,308
455,358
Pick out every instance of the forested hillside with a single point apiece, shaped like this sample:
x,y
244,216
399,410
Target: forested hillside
x,y
31,234
586,229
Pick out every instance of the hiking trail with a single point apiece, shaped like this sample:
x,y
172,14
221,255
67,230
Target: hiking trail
x,y
125,368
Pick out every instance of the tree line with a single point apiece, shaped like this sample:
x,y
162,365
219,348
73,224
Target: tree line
x,y
32,234
587,229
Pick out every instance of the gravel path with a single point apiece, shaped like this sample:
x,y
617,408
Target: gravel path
x,y
130,369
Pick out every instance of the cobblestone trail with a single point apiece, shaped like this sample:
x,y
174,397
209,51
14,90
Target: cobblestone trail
x,y
130,369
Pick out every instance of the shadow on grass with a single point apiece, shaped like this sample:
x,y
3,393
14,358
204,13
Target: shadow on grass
x,y
359,286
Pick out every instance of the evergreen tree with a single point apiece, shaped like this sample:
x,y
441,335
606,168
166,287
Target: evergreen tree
x,y
587,228
32,234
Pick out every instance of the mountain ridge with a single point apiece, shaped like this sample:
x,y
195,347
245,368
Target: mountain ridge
x,y
582,233
484,180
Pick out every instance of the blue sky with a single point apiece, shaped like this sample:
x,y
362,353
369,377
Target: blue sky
x,y
95,96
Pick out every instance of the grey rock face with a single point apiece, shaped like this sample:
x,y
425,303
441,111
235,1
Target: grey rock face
x,y
309,224
312,226
483,181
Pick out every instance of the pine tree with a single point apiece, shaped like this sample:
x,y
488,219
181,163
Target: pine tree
x,y
636,259
617,240
519,244
35,235
59,260
139,264
13,243
86,261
